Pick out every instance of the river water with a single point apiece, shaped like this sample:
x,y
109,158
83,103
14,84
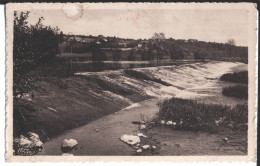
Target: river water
x,y
89,66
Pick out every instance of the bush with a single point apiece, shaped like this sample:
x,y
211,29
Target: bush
x,y
238,114
140,75
238,91
191,115
238,77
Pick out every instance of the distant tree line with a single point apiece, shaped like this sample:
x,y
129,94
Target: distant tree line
x,y
159,47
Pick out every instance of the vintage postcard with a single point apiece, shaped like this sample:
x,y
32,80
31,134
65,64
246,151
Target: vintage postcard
x,y
131,82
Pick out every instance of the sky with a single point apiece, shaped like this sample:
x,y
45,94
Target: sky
x,y
214,25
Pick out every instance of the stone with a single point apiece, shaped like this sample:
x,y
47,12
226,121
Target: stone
x,y
146,146
28,146
68,145
169,123
36,140
139,151
142,126
225,140
141,135
130,139
24,142
33,136
162,122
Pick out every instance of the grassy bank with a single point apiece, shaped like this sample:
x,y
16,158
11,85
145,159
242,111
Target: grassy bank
x,y
65,103
191,115
237,77
238,91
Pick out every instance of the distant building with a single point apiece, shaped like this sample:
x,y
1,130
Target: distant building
x,y
88,40
143,44
122,44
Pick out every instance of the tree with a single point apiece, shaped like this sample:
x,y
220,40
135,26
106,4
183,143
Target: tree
x,y
116,55
98,55
158,36
33,45
131,56
61,38
200,54
231,43
158,45
176,52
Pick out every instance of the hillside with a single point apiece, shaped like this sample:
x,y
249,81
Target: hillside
x,y
119,49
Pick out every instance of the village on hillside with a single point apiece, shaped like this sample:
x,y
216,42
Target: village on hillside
x,y
83,48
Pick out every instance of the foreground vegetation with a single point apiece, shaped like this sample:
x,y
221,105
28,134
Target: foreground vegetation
x,y
238,91
194,116
238,77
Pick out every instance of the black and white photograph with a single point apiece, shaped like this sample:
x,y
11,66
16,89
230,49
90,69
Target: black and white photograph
x,y
142,79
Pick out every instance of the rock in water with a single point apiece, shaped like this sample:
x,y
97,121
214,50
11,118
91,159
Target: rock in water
x,y
68,145
130,139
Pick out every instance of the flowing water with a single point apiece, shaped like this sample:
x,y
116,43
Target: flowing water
x,y
89,66
189,81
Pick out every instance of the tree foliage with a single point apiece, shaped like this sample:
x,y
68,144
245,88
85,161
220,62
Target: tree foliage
x,y
33,45
116,55
231,42
98,55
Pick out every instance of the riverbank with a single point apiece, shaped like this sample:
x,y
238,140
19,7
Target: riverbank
x,y
102,137
61,104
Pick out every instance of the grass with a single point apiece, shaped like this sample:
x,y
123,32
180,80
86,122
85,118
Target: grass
x,y
237,77
140,75
191,115
238,91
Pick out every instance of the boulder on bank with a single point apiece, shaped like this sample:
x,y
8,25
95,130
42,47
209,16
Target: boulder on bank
x,y
27,146
130,139
68,145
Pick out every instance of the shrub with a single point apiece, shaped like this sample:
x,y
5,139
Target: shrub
x,y
238,114
238,91
238,77
191,115
140,75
